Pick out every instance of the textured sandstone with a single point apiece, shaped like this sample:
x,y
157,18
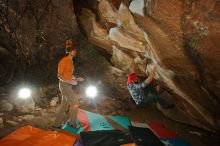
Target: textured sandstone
x,y
181,37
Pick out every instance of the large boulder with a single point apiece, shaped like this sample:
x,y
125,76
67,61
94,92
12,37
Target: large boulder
x,y
180,37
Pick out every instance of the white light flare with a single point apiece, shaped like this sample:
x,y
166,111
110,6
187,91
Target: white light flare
x,y
24,93
91,91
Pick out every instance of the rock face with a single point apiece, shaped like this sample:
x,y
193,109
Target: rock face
x,y
6,70
181,37
33,32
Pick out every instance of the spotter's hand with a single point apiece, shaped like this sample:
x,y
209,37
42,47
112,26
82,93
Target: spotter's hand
x,y
73,82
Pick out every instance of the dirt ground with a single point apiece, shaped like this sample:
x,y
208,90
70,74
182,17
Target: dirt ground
x,y
115,105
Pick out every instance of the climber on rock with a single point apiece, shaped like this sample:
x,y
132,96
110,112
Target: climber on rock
x,y
144,92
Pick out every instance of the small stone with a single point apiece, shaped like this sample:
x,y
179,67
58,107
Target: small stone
x,y
54,101
38,109
6,106
44,121
1,123
26,107
20,119
26,118
40,93
14,118
13,123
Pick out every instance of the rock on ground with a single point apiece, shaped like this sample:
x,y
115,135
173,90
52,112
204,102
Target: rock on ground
x,y
1,123
6,106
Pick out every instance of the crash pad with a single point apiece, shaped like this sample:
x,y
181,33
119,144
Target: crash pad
x,y
30,136
90,121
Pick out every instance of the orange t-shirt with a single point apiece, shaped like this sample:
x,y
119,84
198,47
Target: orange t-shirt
x,y
66,68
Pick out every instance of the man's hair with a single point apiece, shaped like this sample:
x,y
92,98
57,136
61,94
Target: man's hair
x,y
69,43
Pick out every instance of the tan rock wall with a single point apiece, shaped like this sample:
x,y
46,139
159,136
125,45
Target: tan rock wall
x,y
181,37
